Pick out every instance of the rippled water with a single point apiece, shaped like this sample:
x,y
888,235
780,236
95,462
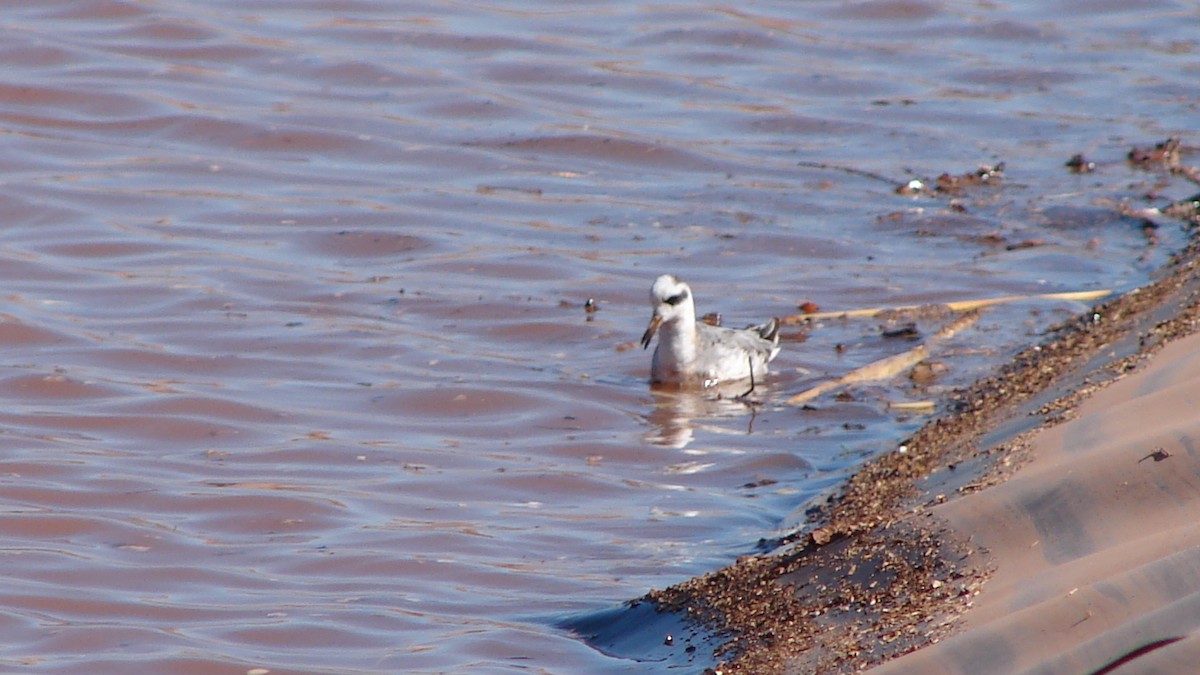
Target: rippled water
x,y
297,373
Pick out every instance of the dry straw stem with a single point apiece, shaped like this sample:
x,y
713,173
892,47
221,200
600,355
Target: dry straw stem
x,y
892,365
957,306
885,368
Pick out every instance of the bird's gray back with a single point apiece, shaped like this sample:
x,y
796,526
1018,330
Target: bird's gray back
x,y
727,353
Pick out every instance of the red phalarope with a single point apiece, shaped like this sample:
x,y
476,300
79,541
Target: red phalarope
x,y
695,352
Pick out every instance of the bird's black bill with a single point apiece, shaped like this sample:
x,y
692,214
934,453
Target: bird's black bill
x,y
649,334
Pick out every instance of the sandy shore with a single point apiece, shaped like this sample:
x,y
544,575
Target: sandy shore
x,y
1049,520
1095,542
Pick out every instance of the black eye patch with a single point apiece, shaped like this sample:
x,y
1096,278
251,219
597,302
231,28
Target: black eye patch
x,y
676,299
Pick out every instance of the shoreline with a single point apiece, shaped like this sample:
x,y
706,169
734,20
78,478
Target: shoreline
x,y
888,566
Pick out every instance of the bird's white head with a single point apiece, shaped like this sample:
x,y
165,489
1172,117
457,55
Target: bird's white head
x,y
671,300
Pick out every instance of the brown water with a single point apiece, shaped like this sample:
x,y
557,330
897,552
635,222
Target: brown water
x,y
297,373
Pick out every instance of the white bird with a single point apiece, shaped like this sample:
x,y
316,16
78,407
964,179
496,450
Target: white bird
x,y
691,352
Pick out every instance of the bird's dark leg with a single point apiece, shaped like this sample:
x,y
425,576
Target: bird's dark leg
x,y
751,389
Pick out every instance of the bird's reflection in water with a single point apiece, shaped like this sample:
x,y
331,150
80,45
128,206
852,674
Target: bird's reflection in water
x,y
679,411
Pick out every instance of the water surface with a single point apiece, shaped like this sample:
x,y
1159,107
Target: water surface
x,y
297,370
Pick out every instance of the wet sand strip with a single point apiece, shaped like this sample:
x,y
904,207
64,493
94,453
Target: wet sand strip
x,y
952,519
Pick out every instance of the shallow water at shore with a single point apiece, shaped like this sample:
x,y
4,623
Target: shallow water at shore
x,y
298,373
